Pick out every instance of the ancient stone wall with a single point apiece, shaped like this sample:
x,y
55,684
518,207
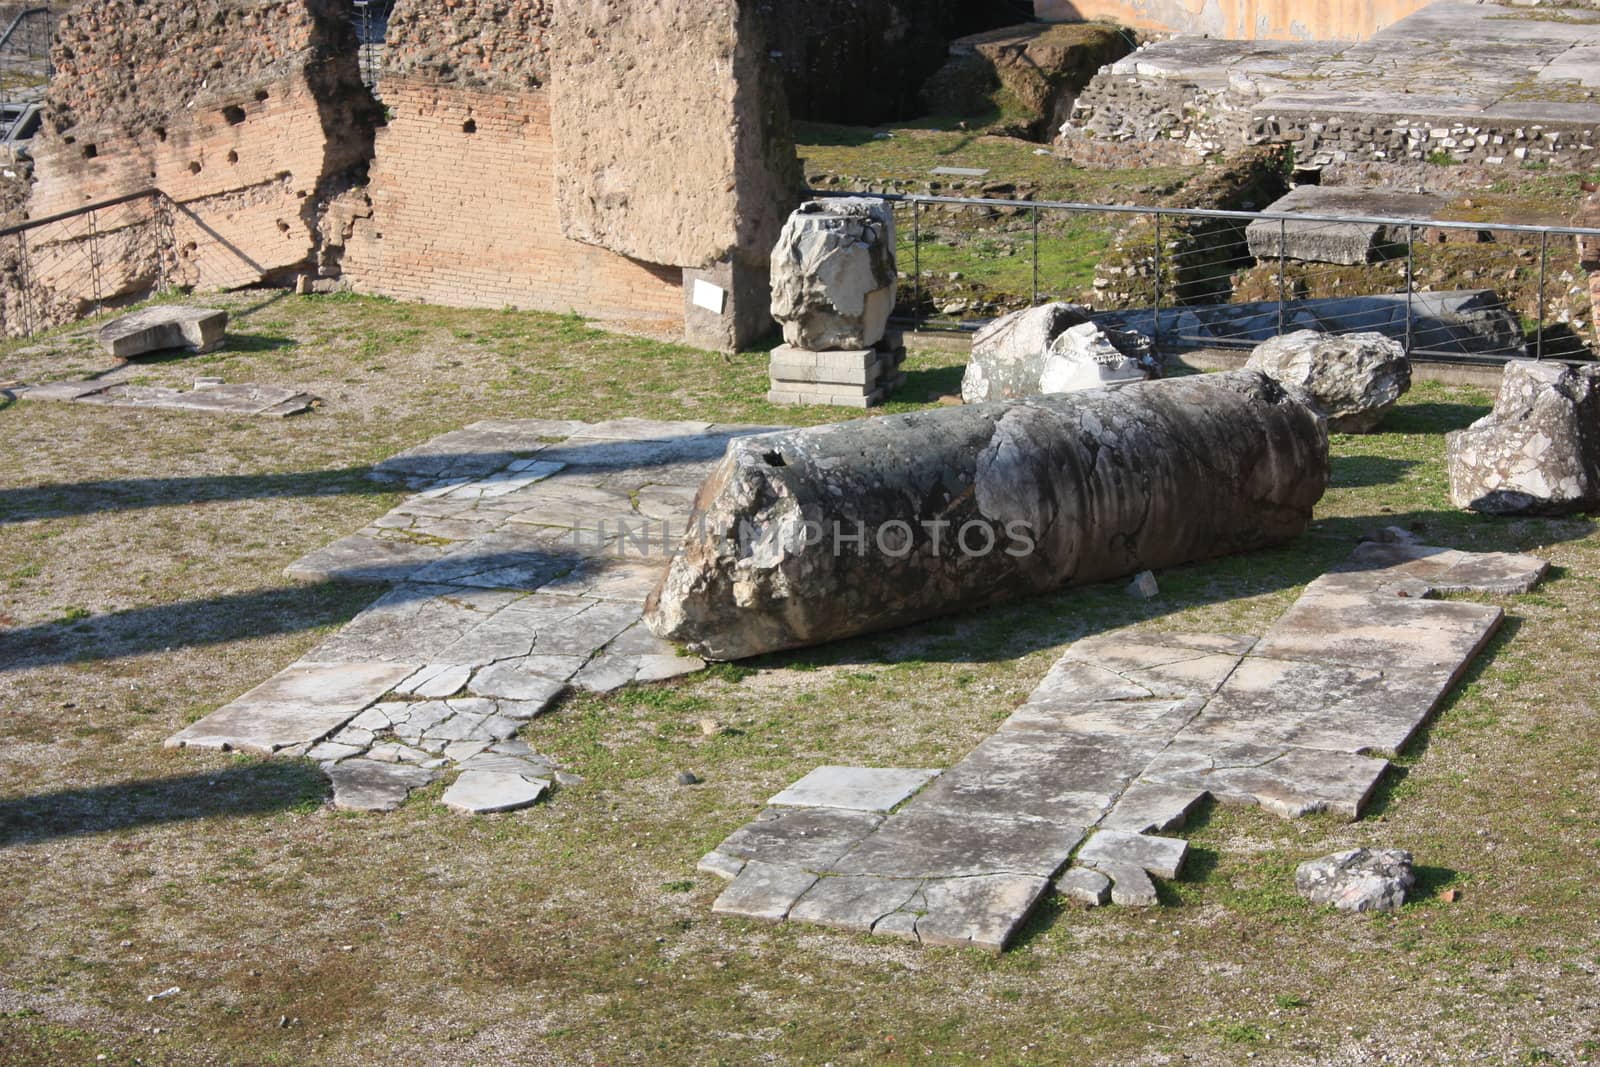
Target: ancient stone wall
x,y
1239,19
247,114
463,212
673,146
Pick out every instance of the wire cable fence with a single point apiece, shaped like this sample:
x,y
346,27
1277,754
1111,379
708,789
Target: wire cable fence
x,y
1195,278
63,268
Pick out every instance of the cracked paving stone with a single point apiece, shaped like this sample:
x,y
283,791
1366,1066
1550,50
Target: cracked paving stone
x,y
436,681
481,792
392,753
763,891
1131,886
1147,808
461,751
1291,782
302,704
1161,856
510,683
851,903
367,785
720,864
361,558
333,752
983,912
915,844
500,763
1084,886
812,838
880,789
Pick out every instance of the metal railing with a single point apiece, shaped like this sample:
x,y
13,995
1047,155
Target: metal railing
x,y
1198,278
67,266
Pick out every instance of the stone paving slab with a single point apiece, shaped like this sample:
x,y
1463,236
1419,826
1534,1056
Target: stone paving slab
x,y
240,398
1124,736
880,789
498,602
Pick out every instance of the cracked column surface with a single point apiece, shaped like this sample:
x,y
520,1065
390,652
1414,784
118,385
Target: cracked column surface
x,y
811,535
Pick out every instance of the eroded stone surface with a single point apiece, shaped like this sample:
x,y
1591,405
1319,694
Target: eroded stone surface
x,y
1352,379
1053,348
1361,879
154,329
1027,495
1124,736
1538,451
480,792
833,274
369,785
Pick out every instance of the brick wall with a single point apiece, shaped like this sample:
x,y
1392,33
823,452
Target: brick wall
x,y
247,114
464,213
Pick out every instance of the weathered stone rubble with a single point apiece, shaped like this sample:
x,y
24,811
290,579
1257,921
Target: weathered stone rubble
x,y
1352,379
833,274
1347,243
1538,451
812,535
161,327
1475,82
1052,348
1128,732
1361,879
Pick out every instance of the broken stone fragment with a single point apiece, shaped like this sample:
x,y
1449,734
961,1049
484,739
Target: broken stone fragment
x,y
1353,379
1087,357
1053,348
833,274
156,329
1538,451
1361,879
812,535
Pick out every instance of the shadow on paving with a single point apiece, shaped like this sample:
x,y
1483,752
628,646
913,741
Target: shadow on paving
x,y
65,499
253,788
1001,631
232,616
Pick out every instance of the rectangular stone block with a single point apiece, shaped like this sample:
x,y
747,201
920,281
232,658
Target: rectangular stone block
x,y
827,388
853,359
787,371
825,399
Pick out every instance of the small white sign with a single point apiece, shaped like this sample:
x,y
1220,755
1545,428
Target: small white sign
x,y
711,297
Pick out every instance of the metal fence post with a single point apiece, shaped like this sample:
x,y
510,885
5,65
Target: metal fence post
x,y
1544,258
94,261
1411,277
1283,253
24,282
1035,258
1157,339
916,264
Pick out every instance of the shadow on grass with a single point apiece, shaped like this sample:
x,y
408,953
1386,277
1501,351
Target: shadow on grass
x,y
1432,418
1350,472
928,384
254,788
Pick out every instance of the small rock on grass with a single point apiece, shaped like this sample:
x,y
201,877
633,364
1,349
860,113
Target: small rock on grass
x,y
1359,880
688,778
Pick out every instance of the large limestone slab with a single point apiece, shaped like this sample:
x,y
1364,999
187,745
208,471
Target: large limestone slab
x,y
962,507
916,844
764,891
1342,242
1286,781
156,329
633,119
301,705
482,792
809,838
880,789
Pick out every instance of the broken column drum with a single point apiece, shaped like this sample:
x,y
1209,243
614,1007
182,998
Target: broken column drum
x,y
811,535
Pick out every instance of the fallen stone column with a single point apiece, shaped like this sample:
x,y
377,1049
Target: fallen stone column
x,y
811,535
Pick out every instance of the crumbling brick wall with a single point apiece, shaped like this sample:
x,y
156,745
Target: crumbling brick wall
x,y
247,114
463,202
570,155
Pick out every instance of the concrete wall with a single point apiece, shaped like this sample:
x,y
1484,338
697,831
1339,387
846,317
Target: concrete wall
x,y
1317,20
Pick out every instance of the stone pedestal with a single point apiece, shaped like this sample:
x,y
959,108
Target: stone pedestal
x,y
859,378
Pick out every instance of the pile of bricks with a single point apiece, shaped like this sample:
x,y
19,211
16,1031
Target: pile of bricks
x,y
861,378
